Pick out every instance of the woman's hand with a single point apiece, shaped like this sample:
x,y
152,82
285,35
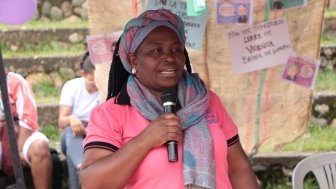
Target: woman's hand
x,y
161,130
77,126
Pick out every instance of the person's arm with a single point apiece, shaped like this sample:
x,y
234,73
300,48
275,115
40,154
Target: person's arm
x,y
25,109
65,118
240,170
105,169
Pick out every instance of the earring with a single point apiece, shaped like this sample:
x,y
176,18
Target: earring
x,y
133,71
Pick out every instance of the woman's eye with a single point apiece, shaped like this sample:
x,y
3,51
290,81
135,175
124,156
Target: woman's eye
x,y
156,50
177,50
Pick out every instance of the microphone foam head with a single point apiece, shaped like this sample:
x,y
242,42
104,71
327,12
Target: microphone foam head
x,y
168,95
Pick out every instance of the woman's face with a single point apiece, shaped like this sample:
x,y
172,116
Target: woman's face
x,y
159,60
90,79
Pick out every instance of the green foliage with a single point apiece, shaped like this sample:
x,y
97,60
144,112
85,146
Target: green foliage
x,y
46,93
54,135
274,181
329,13
271,181
51,131
46,25
325,81
317,139
328,39
50,49
310,182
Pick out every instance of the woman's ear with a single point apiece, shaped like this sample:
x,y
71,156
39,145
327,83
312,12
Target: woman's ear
x,y
82,73
132,59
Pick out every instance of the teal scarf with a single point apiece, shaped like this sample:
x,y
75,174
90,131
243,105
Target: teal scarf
x,y
198,156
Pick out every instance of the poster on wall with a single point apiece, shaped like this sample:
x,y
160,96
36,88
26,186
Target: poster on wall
x,y
234,11
286,4
260,46
194,25
301,71
101,46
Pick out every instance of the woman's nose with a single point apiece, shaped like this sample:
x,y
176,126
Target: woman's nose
x,y
169,56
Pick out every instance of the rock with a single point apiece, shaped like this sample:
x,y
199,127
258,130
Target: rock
x,y
324,62
77,3
39,78
14,48
322,109
67,74
83,13
22,72
76,38
57,80
46,7
43,19
328,52
333,123
40,68
66,8
322,122
72,18
56,13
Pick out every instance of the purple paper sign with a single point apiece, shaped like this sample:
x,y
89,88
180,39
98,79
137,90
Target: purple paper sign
x,y
301,71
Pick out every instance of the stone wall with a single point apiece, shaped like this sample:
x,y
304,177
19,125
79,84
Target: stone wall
x,y
331,4
53,71
324,109
72,10
77,9
57,70
328,57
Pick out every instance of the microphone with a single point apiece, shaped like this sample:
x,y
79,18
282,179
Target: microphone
x,y
168,98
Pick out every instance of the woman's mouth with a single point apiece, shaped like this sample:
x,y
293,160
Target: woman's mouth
x,y
169,71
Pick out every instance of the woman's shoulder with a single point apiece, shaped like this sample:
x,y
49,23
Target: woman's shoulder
x,y
108,112
214,98
75,80
74,83
109,106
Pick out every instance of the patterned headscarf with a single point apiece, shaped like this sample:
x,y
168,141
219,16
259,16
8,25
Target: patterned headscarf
x,y
137,29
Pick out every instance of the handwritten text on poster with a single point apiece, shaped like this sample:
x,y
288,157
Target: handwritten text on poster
x,y
260,46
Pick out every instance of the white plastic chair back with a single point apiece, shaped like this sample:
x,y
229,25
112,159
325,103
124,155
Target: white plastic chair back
x,y
323,166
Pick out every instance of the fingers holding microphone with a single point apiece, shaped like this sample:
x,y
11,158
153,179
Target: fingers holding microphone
x,y
164,128
174,130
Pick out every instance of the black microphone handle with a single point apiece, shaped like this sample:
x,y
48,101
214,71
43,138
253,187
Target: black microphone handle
x,y
172,151
169,107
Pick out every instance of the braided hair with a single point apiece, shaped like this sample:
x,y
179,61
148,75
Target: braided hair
x,y
118,74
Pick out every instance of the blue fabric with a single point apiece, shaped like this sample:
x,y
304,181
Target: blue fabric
x,y
72,147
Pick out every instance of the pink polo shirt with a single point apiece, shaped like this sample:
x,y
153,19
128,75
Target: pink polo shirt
x,y
112,125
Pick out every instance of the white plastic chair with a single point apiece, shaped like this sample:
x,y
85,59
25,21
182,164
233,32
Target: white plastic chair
x,y
323,166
